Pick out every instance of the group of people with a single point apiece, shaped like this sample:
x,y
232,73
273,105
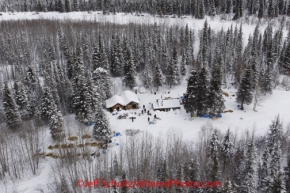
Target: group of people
x,y
144,111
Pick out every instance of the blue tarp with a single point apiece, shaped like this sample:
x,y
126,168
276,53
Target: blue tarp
x,y
206,116
90,124
117,144
104,151
117,134
219,115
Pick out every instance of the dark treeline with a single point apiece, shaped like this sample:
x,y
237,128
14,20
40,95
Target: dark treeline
x,y
196,8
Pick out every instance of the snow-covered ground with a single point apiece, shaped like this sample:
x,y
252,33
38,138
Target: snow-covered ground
x,y
238,121
177,121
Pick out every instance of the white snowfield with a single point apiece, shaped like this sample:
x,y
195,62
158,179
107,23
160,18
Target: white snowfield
x,y
179,121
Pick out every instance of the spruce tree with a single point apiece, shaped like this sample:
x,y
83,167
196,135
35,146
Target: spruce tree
x,y
286,63
129,71
48,105
12,115
67,6
183,65
261,9
264,183
190,97
102,130
250,181
214,163
278,184
21,100
202,92
274,145
31,84
84,112
157,77
93,96
96,58
212,9
271,9
244,94
227,150
287,175
266,82
147,77
216,100
56,125
103,84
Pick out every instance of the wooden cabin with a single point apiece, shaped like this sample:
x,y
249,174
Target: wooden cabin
x,y
128,100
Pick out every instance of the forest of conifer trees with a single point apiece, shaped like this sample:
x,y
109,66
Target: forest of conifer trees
x,y
51,70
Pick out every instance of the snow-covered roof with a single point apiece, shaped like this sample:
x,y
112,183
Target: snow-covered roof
x,y
166,104
125,98
114,100
129,96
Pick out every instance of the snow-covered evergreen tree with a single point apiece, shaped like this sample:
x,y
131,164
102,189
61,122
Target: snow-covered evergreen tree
x,y
102,130
48,105
12,115
214,169
31,83
96,58
147,77
157,77
103,84
250,181
190,97
21,100
93,96
264,183
202,92
286,62
216,100
266,81
244,94
56,125
227,150
129,70
172,72
183,65
82,105
287,175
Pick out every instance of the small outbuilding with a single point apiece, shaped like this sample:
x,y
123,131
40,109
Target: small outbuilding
x,y
166,105
127,100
